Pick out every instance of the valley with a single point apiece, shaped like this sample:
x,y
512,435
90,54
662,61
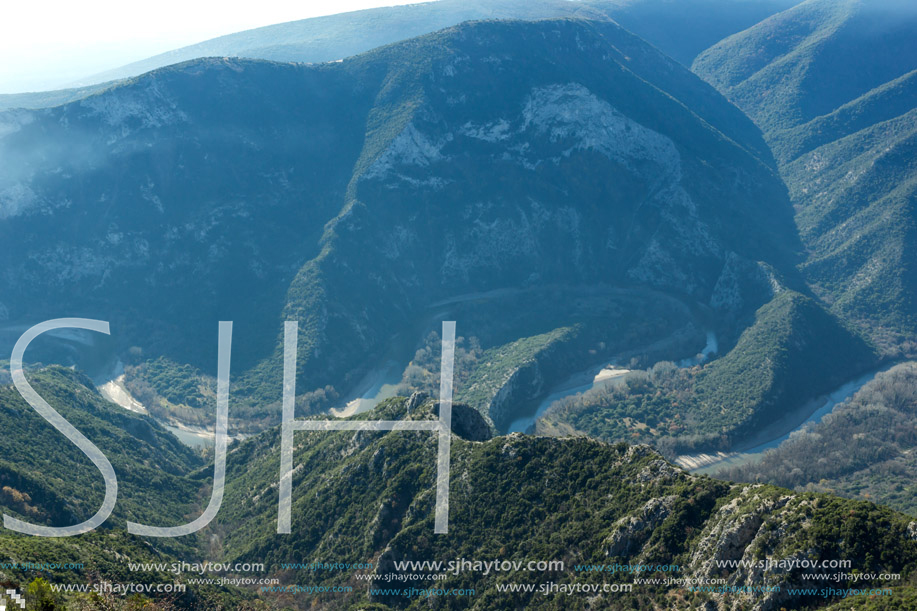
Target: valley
x,y
601,377
577,383
811,412
677,239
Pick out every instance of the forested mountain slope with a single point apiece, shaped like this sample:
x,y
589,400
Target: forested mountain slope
x,y
831,84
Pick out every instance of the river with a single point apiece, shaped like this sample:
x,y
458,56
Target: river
x,y
596,377
110,383
599,376
777,432
376,386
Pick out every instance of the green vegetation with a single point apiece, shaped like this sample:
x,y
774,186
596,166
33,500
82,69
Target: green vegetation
x,y
521,359
423,372
180,385
831,85
861,233
368,496
884,103
624,256
45,479
348,231
500,362
48,480
864,449
900,599
793,352
644,408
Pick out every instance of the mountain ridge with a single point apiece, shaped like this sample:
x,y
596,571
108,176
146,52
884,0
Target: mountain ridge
x,y
332,38
367,497
358,148
832,87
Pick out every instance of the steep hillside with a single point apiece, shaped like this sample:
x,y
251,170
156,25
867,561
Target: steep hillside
x,y
368,497
811,59
48,480
363,504
685,28
831,84
47,99
372,197
177,194
638,205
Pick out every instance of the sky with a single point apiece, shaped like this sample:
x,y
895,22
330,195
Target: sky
x,y
54,44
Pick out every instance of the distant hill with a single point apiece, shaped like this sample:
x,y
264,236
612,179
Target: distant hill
x,y
793,352
681,29
832,86
49,99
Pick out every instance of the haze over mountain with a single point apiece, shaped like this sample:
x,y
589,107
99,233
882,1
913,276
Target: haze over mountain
x,y
580,203
681,30
368,197
831,84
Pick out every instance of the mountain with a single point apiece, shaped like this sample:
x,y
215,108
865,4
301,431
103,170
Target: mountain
x,y
48,481
579,203
322,39
811,59
363,501
563,168
683,29
832,86
367,498
47,99
680,29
